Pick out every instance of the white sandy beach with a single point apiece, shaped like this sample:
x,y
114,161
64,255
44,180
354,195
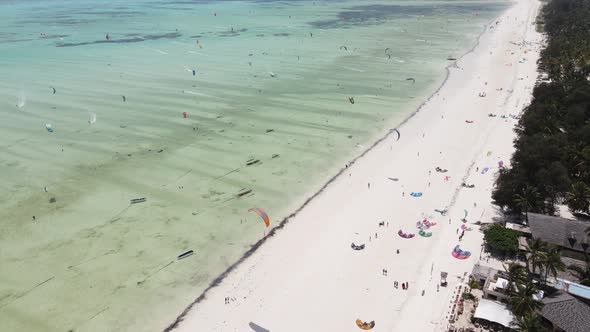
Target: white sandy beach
x,y
307,277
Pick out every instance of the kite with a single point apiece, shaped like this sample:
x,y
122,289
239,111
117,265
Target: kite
x,y
413,194
364,325
21,100
124,98
92,118
460,254
424,234
442,212
357,247
388,51
351,100
405,235
53,90
260,212
411,79
344,47
257,328
398,134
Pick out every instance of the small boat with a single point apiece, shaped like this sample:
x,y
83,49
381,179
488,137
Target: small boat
x,y
244,192
185,254
252,162
138,200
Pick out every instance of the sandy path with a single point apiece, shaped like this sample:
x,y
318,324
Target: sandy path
x,y
307,278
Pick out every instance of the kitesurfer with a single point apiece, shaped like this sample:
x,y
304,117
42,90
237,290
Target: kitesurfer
x,y
107,37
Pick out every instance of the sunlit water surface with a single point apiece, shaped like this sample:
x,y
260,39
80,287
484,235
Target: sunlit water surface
x,y
272,82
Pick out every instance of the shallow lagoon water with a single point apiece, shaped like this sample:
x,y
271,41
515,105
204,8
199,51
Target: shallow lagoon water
x,y
271,79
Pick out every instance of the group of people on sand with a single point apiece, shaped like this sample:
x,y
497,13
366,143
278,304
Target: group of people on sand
x,y
405,285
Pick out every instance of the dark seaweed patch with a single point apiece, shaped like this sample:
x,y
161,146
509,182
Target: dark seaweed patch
x,y
138,39
53,36
378,14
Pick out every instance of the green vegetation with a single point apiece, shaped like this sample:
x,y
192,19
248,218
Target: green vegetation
x,y
552,158
521,300
535,252
529,323
524,282
501,240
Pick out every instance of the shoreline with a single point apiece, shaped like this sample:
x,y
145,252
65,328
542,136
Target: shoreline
x,y
256,246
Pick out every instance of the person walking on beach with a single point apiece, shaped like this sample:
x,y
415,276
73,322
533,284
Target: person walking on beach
x,y
369,185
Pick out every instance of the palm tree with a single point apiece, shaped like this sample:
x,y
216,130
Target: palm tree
x,y
516,275
535,252
527,200
582,273
528,323
552,263
521,301
578,198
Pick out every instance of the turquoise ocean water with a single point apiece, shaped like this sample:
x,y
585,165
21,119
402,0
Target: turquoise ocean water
x,y
272,82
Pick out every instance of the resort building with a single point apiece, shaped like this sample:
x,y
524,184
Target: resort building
x,y
569,235
565,312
